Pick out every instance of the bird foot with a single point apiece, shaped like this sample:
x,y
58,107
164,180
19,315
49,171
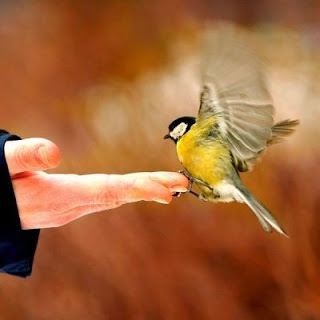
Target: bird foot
x,y
191,181
188,176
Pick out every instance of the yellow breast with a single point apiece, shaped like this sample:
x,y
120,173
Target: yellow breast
x,y
205,159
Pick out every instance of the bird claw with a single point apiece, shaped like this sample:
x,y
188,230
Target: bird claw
x,y
190,179
176,194
189,189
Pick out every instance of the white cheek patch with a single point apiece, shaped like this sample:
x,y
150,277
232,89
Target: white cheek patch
x,y
179,131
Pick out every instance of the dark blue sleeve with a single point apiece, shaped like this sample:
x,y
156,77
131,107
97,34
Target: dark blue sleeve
x,y
17,246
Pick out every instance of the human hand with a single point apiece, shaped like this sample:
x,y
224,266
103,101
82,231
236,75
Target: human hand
x,y
51,200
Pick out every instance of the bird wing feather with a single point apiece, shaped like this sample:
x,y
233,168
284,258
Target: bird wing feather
x,y
234,90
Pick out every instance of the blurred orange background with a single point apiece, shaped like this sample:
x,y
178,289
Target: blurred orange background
x,y
103,79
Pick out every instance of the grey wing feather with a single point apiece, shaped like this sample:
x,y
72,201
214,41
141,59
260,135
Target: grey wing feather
x,y
234,90
282,129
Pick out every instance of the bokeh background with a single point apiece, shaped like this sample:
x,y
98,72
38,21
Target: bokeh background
x,y
103,79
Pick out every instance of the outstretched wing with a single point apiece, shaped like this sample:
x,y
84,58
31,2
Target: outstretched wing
x,y
234,90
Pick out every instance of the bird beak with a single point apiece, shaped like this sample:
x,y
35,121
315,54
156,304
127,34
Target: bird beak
x,y
167,136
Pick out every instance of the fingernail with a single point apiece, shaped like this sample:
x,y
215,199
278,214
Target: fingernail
x,y
162,201
178,189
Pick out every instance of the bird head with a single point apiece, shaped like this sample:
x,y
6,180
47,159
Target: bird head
x,y
179,127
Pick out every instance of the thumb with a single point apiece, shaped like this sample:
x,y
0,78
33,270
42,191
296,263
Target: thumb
x,y
31,155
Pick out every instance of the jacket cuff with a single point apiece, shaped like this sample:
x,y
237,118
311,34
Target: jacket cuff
x,y
17,246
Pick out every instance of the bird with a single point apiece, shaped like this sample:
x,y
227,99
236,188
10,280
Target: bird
x,y
234,125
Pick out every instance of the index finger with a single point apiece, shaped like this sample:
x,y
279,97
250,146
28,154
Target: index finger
x,y
132,187
171,180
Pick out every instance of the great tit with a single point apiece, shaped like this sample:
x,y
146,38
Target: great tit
x,y
234,124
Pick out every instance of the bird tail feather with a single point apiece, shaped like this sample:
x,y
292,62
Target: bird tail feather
x,y
264,216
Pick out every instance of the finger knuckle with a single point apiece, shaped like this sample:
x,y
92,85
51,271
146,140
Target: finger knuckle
x,y
22,157
27,157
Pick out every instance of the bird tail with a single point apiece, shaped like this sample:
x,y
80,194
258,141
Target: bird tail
x,y
282,129
264,216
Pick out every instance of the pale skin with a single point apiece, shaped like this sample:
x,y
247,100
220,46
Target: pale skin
x,y
51,200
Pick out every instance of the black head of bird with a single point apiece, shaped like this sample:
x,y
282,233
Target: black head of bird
x,y
179,127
